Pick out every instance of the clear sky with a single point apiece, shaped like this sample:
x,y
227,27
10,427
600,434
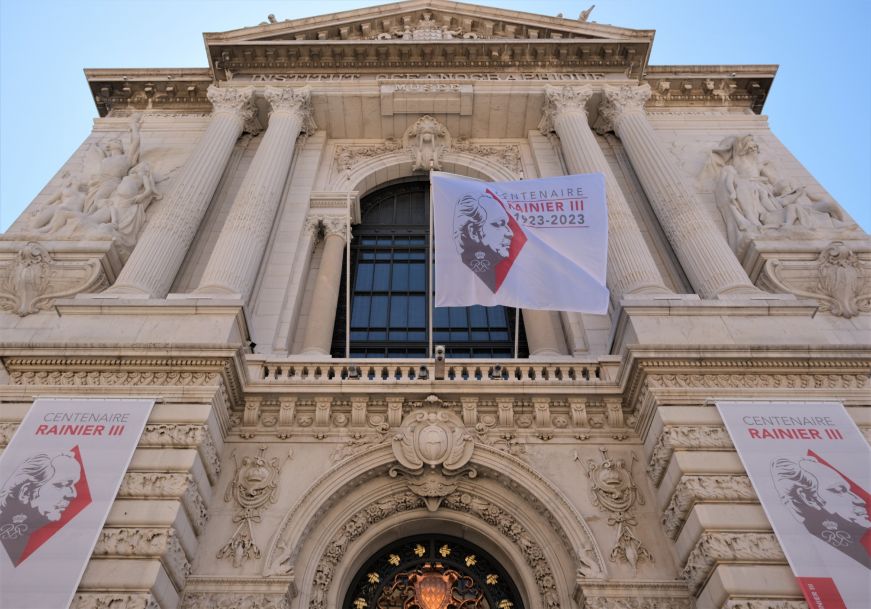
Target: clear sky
x,y
820,104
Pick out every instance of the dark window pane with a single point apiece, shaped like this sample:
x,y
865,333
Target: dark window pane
x,y
400,277
378,312
360,312
417,311
399,311
380,282
364,277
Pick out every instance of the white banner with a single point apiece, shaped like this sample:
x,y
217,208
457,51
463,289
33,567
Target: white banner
x,y
534,244
58,478
811,468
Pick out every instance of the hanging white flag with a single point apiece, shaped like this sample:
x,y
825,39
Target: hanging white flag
x,y
532,244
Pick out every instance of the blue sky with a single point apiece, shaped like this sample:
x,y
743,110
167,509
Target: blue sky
x,y
820,105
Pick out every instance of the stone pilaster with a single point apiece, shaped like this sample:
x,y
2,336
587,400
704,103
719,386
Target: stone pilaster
x,y
322,315
232,268
631,269
706,258
542,333
153,265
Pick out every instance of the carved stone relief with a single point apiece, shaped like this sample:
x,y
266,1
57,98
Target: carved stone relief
x,y
693,489
33,280
231,600
430,439
683,436
107,200
754,199
253,488
162,543
837,278
604,602
113,600
428,141
458,500
614,491
717,547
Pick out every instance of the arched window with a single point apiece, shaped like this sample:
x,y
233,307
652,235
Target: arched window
x,y
390,278
432,572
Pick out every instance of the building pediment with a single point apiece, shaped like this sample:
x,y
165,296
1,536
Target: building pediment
x,y
426,20
427,36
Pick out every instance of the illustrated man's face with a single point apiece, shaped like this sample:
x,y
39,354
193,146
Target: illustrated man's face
x,y
53,497
835,495
495,233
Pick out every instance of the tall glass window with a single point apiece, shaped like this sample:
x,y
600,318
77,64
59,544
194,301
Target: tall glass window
x,y
389,279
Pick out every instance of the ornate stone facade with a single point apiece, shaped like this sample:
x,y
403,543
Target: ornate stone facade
x,y
193,251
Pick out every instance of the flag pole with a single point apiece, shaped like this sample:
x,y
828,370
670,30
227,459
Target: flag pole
x,y
517,309
431,287
348,275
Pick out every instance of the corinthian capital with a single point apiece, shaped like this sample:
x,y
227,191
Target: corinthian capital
x,y
558,100
294,102
239,102
617,101
335,225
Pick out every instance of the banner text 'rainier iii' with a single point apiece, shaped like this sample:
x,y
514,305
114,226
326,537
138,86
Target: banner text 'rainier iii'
x,y
533,244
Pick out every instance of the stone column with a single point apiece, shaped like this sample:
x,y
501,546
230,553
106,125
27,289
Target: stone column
x,y
325,297
630,265
542,334
702,249
232,267
153,265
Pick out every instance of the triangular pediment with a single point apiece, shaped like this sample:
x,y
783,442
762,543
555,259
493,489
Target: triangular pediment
x,y
426,20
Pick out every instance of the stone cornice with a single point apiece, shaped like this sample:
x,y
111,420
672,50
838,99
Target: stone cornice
x,y
177,89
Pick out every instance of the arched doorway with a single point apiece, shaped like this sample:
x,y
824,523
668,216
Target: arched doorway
x,y
432,572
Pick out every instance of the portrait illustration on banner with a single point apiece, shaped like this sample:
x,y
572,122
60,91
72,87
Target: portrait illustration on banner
x,y
42,494
830,506
488,239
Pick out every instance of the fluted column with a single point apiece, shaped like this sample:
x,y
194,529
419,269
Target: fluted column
x,y
232,267
161,249
541,333
630,265
325,297
706,257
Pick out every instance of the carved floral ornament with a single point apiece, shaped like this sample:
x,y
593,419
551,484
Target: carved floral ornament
x,y
428,142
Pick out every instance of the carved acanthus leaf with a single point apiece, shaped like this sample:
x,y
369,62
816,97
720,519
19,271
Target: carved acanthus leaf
x,y
620,100
560,100
160,543
717,547
692,489
687,437
348,156
505,155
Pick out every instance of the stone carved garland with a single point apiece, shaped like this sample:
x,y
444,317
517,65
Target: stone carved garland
x,y
841,285
614,491
33,280
427,142
459,501
254,486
